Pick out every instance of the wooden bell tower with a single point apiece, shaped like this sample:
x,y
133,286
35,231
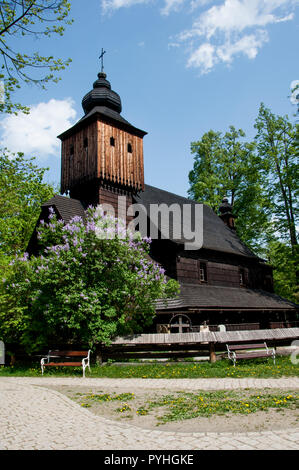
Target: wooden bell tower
x,y
102,154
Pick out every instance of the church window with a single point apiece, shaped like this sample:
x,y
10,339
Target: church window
x,y
85,143
72,151
130,148
203,272
112,141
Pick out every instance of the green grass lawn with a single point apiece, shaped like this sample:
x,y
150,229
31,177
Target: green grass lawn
x,y
262,368
179,406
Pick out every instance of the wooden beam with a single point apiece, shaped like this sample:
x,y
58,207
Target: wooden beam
x,y
212,353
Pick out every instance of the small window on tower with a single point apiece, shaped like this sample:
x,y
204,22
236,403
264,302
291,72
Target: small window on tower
x,y
72,151
85,143
112,141
130,148
203,272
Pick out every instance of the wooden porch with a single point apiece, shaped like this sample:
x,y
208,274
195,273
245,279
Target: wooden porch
x,y
184,345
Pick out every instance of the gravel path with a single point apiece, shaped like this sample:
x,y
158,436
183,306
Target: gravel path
x,y
35,417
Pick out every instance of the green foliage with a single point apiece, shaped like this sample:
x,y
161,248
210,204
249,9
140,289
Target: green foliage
x,y
256,368
22,192
181,405
227,165
261,180
36,18
285,265
93,280
276,146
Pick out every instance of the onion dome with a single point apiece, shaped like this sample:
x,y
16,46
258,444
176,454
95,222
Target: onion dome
x,y
101,95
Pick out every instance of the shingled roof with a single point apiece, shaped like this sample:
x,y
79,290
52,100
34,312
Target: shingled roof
x,y
206,297
66,207
216,235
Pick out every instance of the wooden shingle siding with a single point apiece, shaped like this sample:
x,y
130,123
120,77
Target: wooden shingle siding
x,y
115,163
217,273
224,275
187,270
82,165
109,195
102,160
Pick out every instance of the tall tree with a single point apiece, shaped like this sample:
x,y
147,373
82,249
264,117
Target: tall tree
x,y
227,165
276,145
92,280
21,18
261,179
22,192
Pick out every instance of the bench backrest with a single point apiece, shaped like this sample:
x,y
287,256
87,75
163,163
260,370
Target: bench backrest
x,y
233,347
69,353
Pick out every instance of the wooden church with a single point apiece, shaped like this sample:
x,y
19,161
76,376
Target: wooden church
x,y
224,285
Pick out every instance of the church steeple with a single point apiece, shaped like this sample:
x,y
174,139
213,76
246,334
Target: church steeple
x,y
102,154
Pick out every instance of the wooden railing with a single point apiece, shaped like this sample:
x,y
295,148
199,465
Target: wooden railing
x,y
284,324
189,345
165,328
231,327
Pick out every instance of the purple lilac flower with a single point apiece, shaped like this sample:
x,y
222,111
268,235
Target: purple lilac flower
x,y
77,218
52,213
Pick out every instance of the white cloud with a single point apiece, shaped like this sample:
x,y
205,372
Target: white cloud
x,y
203,57
237,15
110,5
248,45
233,28
36,134
171,5
206,56
224,30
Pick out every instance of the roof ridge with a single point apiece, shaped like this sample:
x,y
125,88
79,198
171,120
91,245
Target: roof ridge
x,y
61,197
174,194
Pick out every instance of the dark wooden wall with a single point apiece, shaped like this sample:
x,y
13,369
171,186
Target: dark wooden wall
x,y
82,165
115,163
100,159
223,269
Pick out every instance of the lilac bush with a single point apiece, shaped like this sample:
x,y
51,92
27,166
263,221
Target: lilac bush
x,y
92,280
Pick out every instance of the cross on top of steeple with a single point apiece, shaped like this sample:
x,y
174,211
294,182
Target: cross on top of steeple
x,y
102,60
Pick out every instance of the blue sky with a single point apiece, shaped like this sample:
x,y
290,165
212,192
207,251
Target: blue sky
x,y
181,67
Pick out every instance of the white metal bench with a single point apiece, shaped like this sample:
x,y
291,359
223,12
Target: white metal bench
x,y
249,351
85,362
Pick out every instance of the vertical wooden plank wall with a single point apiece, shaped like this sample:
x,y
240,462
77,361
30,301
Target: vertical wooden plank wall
x,y
101,160
82,165
115,163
